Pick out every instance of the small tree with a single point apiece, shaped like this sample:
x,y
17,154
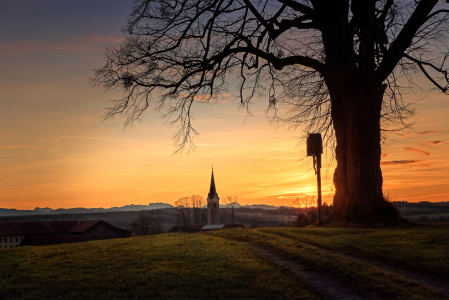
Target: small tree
x,y
231,202
146,224
184,206
197,202
304,201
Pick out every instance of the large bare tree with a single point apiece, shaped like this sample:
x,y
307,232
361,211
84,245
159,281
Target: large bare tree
x,y
339,64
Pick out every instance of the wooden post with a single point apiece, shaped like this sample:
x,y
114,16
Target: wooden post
x,y
318,179
315,149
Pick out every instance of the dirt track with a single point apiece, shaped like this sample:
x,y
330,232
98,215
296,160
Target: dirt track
x,y
328,286
423,280
324,285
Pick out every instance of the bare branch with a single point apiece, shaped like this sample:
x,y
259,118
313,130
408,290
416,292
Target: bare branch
x,y
404,39
421,65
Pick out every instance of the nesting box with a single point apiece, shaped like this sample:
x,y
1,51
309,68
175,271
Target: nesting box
x,y
314,144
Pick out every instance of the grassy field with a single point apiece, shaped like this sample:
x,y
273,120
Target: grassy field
x,y
225,264
171,266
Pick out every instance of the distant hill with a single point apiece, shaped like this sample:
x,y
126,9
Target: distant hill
x,y
264,206
82,210
422,208
408,209
78,210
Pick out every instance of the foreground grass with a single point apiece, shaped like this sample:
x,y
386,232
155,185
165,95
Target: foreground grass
x,y
365,276
164,266
423,249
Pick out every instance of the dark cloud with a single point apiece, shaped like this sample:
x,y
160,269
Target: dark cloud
x,y
416,151
383,155
435,142
428,132
422,132
399,162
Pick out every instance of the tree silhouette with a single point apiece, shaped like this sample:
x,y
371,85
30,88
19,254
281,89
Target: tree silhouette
x,y
197,202
339,64
304,201
146,224
231,203
183,205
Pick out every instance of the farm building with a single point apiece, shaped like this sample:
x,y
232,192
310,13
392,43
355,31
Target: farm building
x,y
56,232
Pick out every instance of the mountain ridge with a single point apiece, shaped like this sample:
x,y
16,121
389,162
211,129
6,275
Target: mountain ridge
x,y
76,210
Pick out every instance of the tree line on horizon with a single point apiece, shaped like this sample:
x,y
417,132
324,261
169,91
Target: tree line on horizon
x,y
194,207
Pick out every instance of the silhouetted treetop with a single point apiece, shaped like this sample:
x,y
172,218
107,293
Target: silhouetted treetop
x,y
340,66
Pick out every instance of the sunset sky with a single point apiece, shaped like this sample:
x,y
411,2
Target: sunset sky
x,y
55,151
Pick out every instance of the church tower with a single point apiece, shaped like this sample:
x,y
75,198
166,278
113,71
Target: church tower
x,y
213,205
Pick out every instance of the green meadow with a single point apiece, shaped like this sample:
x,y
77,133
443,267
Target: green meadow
x,y
228,265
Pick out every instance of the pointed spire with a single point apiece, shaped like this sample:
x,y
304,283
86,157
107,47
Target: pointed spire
x,y
212,190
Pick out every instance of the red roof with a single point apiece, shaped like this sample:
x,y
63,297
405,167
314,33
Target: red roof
x,y
27,228
83,226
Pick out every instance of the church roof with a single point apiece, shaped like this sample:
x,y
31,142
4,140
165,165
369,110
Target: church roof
x,y
212,190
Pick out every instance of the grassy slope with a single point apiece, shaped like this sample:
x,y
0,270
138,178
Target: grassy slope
x,y
421,249
163,266
217,265
424,250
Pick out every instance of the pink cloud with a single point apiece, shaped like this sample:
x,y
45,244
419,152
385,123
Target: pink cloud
x,y
422,132
85,43
410,149
433,143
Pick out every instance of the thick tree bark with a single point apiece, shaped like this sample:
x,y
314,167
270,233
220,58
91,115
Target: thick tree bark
x,y
356,110
358,176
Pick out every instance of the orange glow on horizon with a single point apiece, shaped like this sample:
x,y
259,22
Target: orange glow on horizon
x,y
55,151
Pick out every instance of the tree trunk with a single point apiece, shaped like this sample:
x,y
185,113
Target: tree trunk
x,y
358,177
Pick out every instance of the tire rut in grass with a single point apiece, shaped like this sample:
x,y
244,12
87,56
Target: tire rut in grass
x,y
324,285
423,280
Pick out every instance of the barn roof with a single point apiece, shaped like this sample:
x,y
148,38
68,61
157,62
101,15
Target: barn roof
x,y
26,228
50,227
83,226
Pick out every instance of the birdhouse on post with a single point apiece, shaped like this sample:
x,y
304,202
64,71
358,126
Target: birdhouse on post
x,y
315,149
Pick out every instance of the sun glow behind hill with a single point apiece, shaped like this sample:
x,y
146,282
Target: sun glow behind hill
x,y
55,151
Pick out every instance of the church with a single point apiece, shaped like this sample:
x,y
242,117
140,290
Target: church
x,y
213,214
213,203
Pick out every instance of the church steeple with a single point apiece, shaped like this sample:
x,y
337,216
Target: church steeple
x,y
213,203
212,190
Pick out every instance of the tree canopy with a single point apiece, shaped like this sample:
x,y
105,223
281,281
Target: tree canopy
x,y
341,66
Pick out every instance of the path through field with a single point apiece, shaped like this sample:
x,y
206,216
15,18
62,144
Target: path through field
x,y
423,280
324,285
337,274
